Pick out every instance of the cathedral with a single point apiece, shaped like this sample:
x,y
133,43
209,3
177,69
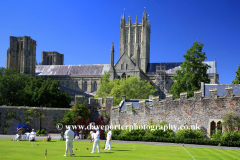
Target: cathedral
x,y
134,60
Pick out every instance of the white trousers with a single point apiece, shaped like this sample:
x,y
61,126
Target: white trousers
x,y
68,147
108,145
96,143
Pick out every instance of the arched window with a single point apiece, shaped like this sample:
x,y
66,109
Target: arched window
x,y
68,85
126,66
85,86
76,86
212,129
95,86
121,66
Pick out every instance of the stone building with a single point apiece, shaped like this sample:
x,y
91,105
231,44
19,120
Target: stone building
x,y
52,58
21,54
134,60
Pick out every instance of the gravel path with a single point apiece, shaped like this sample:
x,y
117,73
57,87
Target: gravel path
x,y
56,137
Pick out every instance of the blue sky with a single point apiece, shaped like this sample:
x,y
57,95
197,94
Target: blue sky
x,y
84,30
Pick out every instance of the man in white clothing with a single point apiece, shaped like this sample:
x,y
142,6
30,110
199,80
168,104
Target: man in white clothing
x,y
69,134
108,142
95,138
32,135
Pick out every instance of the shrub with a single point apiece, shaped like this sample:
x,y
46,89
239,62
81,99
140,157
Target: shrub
x,y
190,134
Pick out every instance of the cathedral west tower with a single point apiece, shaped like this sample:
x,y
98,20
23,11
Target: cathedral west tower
x,y
21,54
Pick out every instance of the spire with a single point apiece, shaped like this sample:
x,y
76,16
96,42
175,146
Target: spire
x,y
112,56
129,20
112,48
136,18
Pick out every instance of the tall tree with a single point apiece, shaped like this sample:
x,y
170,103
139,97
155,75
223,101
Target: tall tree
x,y
18,89
105,87
12,84
192,72
237,78
132,87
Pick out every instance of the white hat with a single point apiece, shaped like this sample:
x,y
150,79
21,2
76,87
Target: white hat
x,y
91,132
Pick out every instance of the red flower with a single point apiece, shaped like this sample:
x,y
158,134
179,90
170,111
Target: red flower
x,y
215,126
229,128
237,131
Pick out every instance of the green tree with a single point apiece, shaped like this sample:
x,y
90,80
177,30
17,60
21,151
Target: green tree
x,y
78,115
132,87
41,92
18,89
193,72
231,120
237,78
12,85
105,87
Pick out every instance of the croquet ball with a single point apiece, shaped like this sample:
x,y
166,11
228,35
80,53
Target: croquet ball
x,y
76,148
79,150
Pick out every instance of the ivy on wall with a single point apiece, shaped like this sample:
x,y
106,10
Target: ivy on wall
x,y
9,116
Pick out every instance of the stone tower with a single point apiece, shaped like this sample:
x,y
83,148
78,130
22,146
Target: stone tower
x,y
52,58
134,34
21,54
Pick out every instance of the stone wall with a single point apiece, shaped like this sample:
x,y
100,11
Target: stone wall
x,y
183,111
51,114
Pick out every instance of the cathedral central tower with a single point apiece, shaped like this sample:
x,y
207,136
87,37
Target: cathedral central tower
x,y
134,34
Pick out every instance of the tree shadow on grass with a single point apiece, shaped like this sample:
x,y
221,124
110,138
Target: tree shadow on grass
x,y
86,156
107,152
122,150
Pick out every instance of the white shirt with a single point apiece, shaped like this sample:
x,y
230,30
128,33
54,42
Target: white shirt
x,y
95,136
98,133
109,135
32,133
69,134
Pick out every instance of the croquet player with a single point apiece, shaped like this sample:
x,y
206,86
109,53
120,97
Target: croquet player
x,y
69,134
109,138
96,140
98,132
32,135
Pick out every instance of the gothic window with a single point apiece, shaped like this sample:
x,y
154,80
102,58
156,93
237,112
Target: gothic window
x,y
121,66
95,86
68,85
212,127
126,66
85,86
76,86
47,60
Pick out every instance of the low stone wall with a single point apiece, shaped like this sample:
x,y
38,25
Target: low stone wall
x,y
51,114
183,111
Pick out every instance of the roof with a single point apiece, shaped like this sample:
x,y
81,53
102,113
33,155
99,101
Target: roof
x,y
221,89
171,67
135,103
92,69
76,92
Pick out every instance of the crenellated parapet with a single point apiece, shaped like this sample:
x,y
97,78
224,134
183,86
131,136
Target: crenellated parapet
x,y
197,110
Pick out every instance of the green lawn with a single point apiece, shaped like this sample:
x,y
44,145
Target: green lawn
x,y
56,149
